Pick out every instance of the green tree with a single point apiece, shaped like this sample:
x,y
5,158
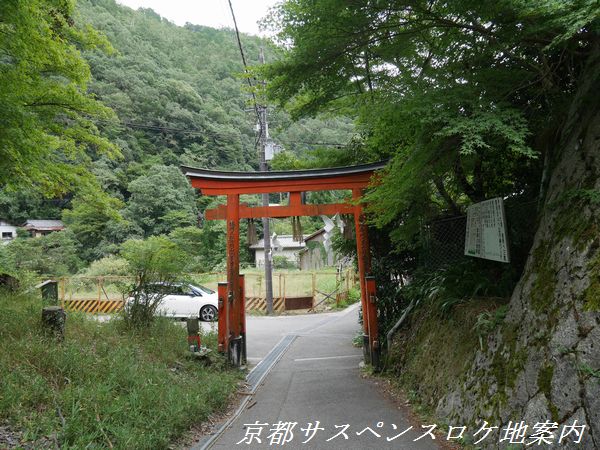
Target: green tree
x,y
92,219
465,97
47,128
155,263
161,200
56,254
28,203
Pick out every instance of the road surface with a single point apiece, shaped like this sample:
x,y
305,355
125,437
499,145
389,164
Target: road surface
x,y
315,386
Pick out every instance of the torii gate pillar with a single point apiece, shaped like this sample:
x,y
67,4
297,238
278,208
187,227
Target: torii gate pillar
x,y
367,284
232,308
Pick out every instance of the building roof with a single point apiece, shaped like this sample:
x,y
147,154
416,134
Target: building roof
x,y
285,240
44,225
315,234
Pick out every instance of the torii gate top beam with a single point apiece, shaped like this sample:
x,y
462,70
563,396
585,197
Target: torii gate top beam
x,y
216,182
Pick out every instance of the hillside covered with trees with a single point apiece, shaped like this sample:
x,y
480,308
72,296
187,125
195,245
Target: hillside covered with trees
x,y
145,97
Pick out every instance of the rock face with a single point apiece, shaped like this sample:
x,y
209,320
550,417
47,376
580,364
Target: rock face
x,y
544,362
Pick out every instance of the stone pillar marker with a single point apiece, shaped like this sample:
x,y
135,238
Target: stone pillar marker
x,y
53,321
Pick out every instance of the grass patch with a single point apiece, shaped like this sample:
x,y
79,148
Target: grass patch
x,y
103,386
352,297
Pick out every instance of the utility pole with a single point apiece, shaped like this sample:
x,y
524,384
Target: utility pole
x,y
264,135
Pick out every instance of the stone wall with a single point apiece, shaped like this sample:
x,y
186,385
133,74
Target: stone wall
x,y
544,362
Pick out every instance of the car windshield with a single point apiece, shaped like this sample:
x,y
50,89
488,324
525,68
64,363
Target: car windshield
x,y
201,290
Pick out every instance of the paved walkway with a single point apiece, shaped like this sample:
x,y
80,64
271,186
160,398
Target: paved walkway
x,y
317,379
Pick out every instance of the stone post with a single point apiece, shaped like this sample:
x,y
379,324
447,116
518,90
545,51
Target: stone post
x,y
53,321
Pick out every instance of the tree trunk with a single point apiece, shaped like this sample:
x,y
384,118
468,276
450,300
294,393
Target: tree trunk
x,y
544,361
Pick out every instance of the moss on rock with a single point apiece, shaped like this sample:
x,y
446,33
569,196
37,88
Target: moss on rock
x,y
592,293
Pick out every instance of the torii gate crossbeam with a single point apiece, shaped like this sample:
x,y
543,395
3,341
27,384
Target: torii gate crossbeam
x,y
232,318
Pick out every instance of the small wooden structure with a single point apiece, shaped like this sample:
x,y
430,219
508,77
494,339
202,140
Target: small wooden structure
x,y
232,319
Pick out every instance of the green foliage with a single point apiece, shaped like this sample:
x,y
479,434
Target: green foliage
x,y
154,262
47,127
183,86
107,266
92,218
55,254
282,263
103,386
207,245
487,321
433,355
588,371
26,203
161,200
176,88
455,93
466,99
459,282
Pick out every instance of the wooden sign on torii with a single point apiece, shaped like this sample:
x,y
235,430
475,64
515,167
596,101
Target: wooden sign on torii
x,y
232,315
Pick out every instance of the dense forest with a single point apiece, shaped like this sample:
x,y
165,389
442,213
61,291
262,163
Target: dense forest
x,y
158,96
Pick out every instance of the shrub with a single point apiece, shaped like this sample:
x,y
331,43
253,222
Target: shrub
x,y
281,262
155,263
107,266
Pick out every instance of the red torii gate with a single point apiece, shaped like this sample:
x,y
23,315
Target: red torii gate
x,y
232,315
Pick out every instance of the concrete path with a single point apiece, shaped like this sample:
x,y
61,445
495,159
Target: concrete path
x,y
316,384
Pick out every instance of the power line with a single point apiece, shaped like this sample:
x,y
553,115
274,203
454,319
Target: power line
x,y
261,115
201,132
239,42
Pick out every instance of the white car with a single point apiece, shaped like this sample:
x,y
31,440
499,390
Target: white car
x,y
183,300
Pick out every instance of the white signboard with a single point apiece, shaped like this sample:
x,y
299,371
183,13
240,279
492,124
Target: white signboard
x,y
271,149
486,231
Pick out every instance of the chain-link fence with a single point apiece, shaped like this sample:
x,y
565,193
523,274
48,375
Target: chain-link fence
x,y
444,239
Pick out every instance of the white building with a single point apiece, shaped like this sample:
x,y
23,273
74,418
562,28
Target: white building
x,y
7,232
283,245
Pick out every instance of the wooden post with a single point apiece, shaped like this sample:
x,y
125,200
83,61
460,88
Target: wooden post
x,y
97,308
259,282
348,282
338,294
53,321
314,288
280,293
284,283
63,283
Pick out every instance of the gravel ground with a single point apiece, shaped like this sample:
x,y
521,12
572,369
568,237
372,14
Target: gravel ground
x,y
9,438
